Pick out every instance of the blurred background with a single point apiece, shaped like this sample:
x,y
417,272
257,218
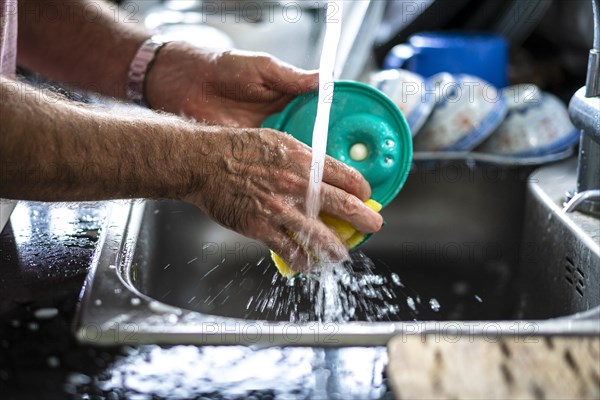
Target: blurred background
x,y
548,39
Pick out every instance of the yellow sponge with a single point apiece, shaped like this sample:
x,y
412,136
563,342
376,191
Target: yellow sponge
x,y
347,234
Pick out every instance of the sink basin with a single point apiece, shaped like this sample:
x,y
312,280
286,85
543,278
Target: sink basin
x,y
468,249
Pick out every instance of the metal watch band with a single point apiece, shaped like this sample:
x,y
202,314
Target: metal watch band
x,y
140,65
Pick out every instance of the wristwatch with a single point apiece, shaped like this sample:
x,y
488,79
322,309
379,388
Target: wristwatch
x,y
140,65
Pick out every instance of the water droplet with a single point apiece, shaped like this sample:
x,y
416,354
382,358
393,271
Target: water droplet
x,y
135,301
434,304
389,143
33,326
411,303
76,379
388,160
53,362
460,288
396,279
478,299
98,302
45,313
159,307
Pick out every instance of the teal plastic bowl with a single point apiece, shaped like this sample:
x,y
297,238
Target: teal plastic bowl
x,y
363,116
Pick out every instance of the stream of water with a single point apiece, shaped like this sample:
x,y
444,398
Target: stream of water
x,y
339,291
329,303
326,93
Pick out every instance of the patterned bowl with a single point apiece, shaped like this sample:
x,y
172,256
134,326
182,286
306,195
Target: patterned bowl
x,y
467,111
409,91
537,124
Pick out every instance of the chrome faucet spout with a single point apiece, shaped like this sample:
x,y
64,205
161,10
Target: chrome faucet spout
x,y
593,76
596,9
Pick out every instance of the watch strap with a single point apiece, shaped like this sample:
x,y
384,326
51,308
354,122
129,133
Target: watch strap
x,y
140,66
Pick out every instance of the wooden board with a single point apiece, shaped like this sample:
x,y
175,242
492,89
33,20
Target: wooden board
x,y
535,367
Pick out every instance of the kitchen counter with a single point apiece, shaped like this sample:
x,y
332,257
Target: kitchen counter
x,y
45,255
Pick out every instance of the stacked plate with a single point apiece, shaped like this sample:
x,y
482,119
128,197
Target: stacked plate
x,y
462,113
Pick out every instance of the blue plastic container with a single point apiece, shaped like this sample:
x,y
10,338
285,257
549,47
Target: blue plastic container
x,y
428,53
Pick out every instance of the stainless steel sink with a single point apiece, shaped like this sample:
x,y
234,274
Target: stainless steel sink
x,y
468,249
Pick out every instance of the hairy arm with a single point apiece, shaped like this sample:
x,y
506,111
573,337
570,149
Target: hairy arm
x,y
52,149
253,181
85,43
90,45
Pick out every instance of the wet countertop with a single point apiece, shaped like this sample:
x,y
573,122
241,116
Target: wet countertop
x,y
45,254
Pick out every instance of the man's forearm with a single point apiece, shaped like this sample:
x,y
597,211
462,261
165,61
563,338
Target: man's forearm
x,y
85,43
56,150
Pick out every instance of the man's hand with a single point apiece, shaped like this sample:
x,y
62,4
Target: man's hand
x,y
256,182
60,40
251,180
232,88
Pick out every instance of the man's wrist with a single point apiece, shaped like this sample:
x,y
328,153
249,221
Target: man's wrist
x,y
140,67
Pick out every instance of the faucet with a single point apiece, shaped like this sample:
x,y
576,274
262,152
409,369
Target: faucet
x,y
584,110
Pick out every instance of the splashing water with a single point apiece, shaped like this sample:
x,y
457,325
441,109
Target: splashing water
x,y
342,292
